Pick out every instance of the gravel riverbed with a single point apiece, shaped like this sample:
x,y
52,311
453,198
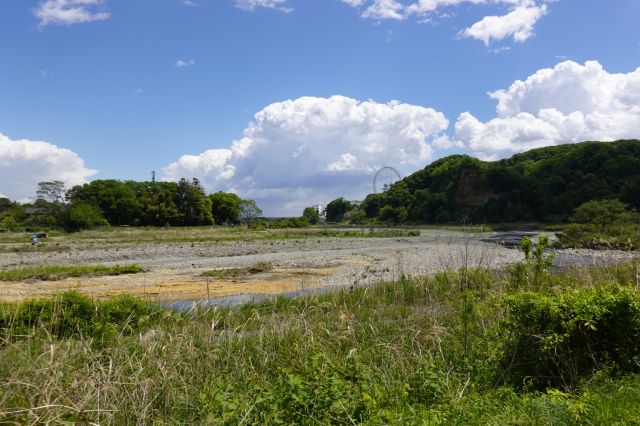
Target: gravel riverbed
x,y
347,261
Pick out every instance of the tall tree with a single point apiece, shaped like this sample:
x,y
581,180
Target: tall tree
x,y
249,212
52,191
312,215
51,198
337,208
117,201
194,207
225,207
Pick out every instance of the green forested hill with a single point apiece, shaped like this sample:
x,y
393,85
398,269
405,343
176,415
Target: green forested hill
x,y
544,184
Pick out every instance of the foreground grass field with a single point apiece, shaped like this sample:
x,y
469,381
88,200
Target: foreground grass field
x,y
465,347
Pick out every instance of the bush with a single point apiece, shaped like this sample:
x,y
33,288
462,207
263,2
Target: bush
x,y
312,215
534,271
83,216
74,314
559,341
617,236
320,392
600,212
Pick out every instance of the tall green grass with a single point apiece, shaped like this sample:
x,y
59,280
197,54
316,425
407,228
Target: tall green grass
x,y
415,351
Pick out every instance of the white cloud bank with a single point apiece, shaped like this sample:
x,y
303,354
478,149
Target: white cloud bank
x,y
24,163
68,12
566,104
310,150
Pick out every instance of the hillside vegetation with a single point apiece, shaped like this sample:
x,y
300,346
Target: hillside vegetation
x,y
545,184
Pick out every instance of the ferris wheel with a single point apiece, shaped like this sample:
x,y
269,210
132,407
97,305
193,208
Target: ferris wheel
x,y
384,178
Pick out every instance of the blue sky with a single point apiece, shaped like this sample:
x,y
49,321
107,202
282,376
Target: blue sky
x,y
116,88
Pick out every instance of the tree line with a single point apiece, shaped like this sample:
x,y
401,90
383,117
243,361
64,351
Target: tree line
x,y
545,185
127,203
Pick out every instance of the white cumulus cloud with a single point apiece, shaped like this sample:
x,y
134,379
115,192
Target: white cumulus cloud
x,y
24,163
68,12
385,9
250,5
565,104
519,24
310,150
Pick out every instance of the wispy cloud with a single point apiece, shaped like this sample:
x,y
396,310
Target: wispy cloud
x,y
69,12
180,63
251,5
517,23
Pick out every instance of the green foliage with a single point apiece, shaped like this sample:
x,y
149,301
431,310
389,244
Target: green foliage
x,y
5,205
58,272
293,222
558,341
545,184
372,205
230,273
83,216
312,215
337,208
534,272
194,207
390,214
225,207
390,353
75,315
602,224
356,216
249,212
321,391
157,203
116,200
53,192
599,212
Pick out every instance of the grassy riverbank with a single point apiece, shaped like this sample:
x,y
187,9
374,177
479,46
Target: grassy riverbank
x,y
58,272
470,347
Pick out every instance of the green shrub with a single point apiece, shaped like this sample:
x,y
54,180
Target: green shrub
x,y
534,271
617,236
320,392
601,212
83,216
73,315
557,341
